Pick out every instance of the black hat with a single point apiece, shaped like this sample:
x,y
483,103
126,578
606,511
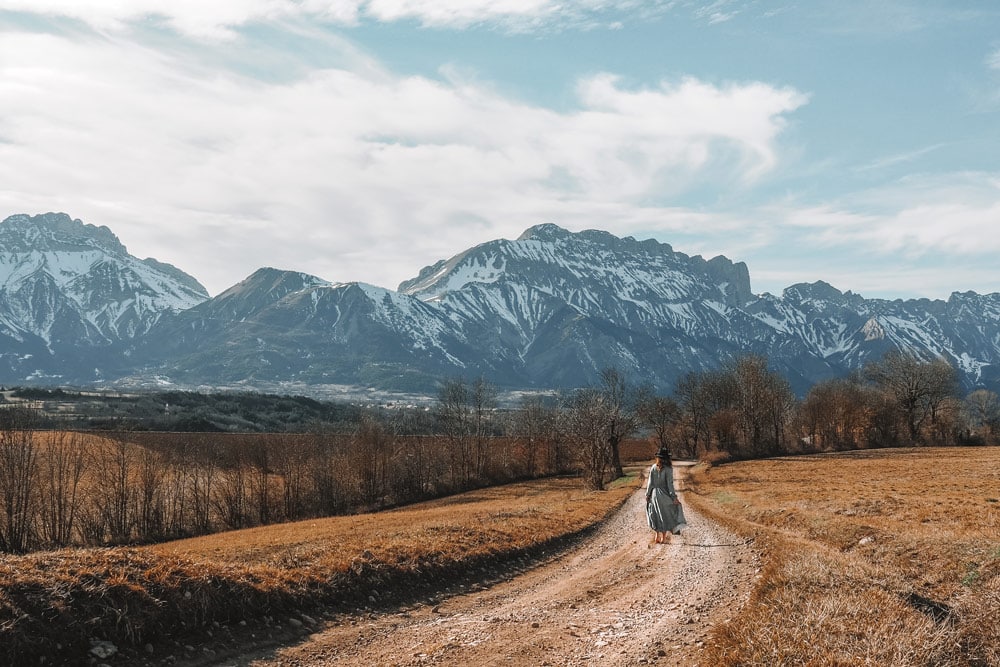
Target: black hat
x,y
663,453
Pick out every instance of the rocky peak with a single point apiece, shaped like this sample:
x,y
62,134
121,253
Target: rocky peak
x,y
261,289
735,277
817,291
544,232
53,232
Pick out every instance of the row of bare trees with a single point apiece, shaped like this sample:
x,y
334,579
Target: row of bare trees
x,y
62,488
125,486
744,409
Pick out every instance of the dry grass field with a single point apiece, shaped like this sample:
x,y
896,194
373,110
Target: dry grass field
x,y
51,603
875,557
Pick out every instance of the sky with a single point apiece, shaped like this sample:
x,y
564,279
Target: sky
x,y
847,141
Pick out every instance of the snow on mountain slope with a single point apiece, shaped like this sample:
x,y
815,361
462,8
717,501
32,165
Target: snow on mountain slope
x,y
694,310
549,309
119,295
70,292
633,284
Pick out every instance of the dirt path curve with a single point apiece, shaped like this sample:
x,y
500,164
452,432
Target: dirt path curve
x,y
614,599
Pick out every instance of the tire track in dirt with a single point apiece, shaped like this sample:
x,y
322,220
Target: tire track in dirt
x,y
614,599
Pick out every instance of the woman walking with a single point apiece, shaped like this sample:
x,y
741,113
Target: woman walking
x,y
663,509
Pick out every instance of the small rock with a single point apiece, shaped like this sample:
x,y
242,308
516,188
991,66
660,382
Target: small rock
x,y
102,649
295,623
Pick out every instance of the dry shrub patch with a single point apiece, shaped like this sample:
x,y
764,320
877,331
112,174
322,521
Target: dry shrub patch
x,y
52,603
887,557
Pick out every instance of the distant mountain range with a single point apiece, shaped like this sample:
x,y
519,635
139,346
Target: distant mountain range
x,y
545,311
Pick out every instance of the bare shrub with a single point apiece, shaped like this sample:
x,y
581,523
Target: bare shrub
x,y
18,478
369,459
62,465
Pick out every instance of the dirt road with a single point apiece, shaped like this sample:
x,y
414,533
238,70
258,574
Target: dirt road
x,y
614,599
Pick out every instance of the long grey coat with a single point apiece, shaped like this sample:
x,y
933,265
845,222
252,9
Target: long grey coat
x,y
663,514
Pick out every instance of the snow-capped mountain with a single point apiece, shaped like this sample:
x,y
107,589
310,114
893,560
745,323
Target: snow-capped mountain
x,y
70,293
551,309
547,310
283,326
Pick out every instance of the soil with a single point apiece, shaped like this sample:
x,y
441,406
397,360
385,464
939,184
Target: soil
x,y
613,598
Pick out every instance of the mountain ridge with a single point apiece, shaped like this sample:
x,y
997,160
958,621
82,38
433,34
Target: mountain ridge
x,y
547,310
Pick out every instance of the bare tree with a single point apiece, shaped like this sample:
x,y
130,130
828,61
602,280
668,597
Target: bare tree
x,y
619,400
151,502
62,466
328,490
483,399
585,422
370,457
918,388
232,498
532,427
696,404
763,404
835,414
202,473
662,414
18,477
983,409
259,454
456,425
115,463
293,460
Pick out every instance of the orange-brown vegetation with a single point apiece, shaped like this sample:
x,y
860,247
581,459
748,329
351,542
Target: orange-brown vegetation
x,y
65,488
52,602
881,557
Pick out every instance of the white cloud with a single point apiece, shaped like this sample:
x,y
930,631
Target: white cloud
x,y
900,158
718,11
204,19
354,173
218,18
993,61
221,174
923,236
